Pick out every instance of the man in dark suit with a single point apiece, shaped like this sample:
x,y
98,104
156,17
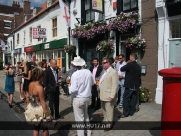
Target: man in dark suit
x,y
96,72
131,84
52,88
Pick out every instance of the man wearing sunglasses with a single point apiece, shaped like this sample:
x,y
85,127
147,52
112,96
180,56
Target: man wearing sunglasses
x,y
121,74
108,87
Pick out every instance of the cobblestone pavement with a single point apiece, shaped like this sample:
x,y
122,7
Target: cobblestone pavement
x,y
149,113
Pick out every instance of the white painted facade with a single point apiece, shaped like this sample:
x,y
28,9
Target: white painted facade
x,y
163,44
45,21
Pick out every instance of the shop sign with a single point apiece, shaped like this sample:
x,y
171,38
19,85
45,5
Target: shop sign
x,y
46,46
97,5
59,62
29,49
17,50
39,33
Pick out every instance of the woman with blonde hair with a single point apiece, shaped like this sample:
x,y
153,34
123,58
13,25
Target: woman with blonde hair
x,y
36,98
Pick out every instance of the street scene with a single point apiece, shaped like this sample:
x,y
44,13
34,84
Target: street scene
x,y
90,67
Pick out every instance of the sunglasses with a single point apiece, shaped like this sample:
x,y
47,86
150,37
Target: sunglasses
x,y
104,63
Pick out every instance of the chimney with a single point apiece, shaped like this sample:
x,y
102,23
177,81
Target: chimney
x,y
18,5
13,4
26,7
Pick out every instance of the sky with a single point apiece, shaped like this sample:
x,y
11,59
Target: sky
x,y
34,3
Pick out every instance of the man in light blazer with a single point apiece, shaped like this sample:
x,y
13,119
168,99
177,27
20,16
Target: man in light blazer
x,y
108,87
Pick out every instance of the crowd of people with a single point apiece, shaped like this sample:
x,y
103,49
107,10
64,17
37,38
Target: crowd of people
x,y
108,85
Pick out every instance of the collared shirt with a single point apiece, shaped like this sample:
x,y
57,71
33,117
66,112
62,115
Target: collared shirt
x,y
54,73
119,70
94,73
81,83
102,77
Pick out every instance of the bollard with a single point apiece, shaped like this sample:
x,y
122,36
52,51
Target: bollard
x,y
171,111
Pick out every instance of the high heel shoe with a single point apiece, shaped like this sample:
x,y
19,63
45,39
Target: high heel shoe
x,y
10,105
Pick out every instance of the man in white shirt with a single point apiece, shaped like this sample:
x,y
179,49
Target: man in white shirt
x,y
121,74
81,86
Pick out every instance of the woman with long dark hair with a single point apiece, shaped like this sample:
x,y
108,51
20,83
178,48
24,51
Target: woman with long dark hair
x,y
27,78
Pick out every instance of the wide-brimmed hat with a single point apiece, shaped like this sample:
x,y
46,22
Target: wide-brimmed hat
x,y
78,61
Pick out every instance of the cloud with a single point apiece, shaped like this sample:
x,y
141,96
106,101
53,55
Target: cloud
x,y
2,1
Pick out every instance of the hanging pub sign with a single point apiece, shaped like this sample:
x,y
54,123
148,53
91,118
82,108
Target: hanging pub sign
x,y
98,5
39,33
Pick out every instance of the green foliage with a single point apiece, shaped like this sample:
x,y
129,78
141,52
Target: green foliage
x,y
144,95
1,60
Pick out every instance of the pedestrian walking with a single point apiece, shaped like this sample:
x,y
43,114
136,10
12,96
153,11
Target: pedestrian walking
x,y
81,85
36,104
51,87
9,83
131,84
108,87
96,70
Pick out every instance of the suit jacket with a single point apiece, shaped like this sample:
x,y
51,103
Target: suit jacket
x,y
49,79
98,72
121,80
108,85
133,75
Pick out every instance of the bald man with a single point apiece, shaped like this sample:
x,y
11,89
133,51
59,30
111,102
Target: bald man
x,y
52,88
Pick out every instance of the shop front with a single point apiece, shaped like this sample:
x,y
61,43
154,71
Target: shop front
x,y
52,50
30,55
16,54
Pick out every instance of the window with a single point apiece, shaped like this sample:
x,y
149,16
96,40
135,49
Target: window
x,y
175,28
30,34
7,24
54,27
39,27
24,36
89,15
17,38
127,5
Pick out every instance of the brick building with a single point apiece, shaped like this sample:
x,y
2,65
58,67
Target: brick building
x,y
10,18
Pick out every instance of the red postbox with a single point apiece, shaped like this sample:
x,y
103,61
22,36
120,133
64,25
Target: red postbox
x,y
171,103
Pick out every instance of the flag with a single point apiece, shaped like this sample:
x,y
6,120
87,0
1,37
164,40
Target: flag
x,y
2,45
65,12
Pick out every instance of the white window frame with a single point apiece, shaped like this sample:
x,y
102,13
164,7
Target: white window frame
x,y
30,35
7,21
53,28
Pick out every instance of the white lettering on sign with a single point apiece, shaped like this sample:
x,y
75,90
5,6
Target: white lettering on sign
x,y
46,46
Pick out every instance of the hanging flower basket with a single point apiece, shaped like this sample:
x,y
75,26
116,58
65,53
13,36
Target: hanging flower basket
x,y
105,48
70,49
122,23
135,43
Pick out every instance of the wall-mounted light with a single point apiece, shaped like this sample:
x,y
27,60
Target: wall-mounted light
x,y
74,11
143,69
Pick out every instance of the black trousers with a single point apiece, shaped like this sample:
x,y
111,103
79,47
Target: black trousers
x,y
65,88
53,99
129,102
95,97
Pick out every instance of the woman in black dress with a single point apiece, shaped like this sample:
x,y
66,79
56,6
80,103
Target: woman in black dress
x,y
27,78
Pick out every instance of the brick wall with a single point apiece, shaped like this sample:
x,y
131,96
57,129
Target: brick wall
x,y
149,33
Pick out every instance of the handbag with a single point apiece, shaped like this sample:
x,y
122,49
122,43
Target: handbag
x,y
34,114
